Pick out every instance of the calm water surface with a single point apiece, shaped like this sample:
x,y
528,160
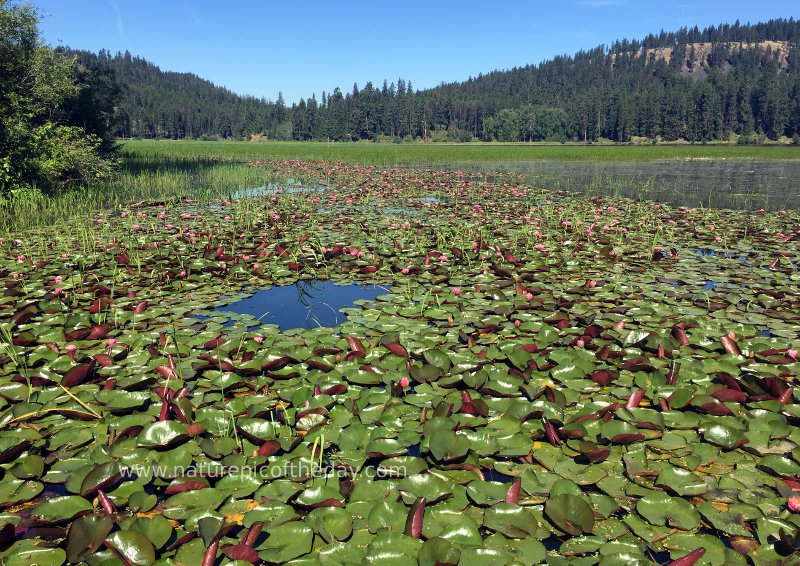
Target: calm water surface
x,y
304,304
712,183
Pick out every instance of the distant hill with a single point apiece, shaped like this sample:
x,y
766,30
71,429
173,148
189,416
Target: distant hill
x,y
696,85
163,104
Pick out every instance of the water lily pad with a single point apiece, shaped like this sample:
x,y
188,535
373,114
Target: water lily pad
x,y
16,491
157,529
162,433
447,445
285,542
319,496
428,486
438,551
659,509
511,520
570,513
132,546
27,552
385,514
331,523
86,536
102,477
61,508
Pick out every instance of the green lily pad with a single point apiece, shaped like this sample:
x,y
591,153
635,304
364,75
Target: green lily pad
x,y
136,549
285,542
61,508
86,536
570,513
331,523
659,509
511,520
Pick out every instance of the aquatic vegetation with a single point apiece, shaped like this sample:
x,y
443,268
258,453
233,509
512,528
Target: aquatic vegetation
x,y
547,377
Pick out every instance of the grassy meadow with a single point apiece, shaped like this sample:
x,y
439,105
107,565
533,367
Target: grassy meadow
x,y
477,154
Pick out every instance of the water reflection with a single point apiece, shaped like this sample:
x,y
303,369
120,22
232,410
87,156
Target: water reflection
x,y
745,184
304,304
289,187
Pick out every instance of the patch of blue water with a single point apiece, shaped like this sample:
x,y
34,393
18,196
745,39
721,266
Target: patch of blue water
x,y
304,304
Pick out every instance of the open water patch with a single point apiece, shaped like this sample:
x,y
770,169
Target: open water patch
x,y
288,188
304,304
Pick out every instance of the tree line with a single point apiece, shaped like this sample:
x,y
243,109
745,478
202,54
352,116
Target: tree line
x,y
696,85
55,115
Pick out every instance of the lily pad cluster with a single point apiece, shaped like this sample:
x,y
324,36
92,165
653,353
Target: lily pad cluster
x,y
548,379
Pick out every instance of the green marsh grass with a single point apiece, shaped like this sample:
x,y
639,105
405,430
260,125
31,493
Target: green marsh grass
x,y
421,154
201,171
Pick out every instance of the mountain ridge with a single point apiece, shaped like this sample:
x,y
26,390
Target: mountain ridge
x,y
719,83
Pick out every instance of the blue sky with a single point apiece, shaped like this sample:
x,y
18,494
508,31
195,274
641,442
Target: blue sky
x,y
262,47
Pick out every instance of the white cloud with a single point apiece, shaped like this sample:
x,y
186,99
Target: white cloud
x,y
120,23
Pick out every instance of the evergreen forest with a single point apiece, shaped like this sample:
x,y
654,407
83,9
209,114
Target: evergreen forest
x,y
720,83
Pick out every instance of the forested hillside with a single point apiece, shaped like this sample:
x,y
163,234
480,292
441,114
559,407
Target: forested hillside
x,y
694,85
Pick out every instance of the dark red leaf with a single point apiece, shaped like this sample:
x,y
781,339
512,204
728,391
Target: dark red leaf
x,y
77,335
717,409
331,502
337,389
550,431
635,399
727,380
183,540
355,344
730,396
598,455
397,349
512,496
211,554
276,364
185,486
269,448
79,374
316,364
680,335
252,534
690,558
99,305
627,438
674,370
167,372
164,415
786,396
729,345
98,332
103,360
107,504
242,552
602,377
414,520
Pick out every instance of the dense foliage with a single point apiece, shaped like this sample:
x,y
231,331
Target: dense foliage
x,y
54,116
696,85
